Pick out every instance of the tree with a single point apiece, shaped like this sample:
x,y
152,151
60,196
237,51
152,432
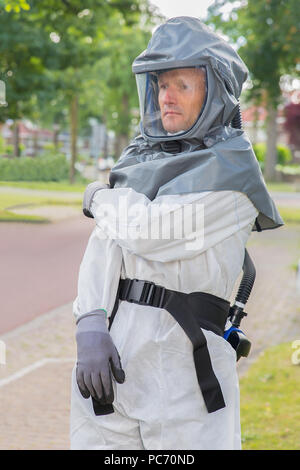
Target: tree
x,y
49,47
120,99
24,55
267,36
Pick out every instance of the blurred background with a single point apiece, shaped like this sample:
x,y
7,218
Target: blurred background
x,y
68,107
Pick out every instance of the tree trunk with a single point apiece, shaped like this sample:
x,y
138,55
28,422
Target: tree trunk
x,y
16,139
55,137
122,137
74,127
35,143
271,153
121,141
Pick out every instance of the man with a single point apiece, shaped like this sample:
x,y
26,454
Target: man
x,y
172,225
181,96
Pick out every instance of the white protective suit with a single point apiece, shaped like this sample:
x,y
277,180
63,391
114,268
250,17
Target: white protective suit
x,y
160,405
211,168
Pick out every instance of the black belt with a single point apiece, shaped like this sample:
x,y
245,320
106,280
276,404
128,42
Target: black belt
x,y
192,311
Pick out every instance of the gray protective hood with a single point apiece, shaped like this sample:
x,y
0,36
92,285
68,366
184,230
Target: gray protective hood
x,y
213,156
186,42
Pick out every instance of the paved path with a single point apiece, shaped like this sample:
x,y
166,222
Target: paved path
x,y
39,267
35,382
274,305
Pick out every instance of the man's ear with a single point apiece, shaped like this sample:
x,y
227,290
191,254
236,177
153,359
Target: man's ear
x,y
89,194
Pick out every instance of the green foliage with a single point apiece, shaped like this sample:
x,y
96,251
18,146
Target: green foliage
x,y
45,168
2,145
49,57
284,154
267,36
260,151
14,5
46,52
120,98
109,88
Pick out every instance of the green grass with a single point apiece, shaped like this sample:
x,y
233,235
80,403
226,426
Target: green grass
x,y
270,401
49,186
10,200
6,216
80,187
289,215
284,187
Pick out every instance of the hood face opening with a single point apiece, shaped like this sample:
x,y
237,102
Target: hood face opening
x,y
171,101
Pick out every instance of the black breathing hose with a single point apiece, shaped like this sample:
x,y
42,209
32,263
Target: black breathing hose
x,y
237,119
247,280
236,312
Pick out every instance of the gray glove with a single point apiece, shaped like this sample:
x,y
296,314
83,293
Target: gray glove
x,y
97,358
89,194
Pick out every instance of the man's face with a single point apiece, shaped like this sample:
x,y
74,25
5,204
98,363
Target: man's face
x,y
181,96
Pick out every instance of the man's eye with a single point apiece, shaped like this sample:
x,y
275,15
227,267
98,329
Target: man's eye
x,y
163,86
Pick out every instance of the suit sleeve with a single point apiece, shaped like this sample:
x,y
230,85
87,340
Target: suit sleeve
x,y
99,275
172,227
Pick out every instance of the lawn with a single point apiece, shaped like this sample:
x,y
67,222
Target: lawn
x,y
270,400
289,215
283,187
44,185
9,200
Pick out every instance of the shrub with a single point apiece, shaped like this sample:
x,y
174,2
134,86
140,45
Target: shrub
x,y
260,152
48,167
2,145
284,154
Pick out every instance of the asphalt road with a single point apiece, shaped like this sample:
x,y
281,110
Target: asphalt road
x,y
39,267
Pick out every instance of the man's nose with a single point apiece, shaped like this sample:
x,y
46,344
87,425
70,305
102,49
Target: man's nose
x,y
169,96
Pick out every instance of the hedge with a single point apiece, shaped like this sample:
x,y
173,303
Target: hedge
x,y
284,154
42,168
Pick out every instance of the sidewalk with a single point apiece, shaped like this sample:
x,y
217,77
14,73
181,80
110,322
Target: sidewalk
x,y
35,382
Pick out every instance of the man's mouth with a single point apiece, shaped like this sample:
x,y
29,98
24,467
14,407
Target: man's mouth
x,y
170,113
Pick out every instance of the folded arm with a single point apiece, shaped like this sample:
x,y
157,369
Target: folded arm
x,y
171,227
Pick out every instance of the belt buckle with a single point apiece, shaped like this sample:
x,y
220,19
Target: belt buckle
x,y
147,293
135,290
151,294
162,296
142,292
